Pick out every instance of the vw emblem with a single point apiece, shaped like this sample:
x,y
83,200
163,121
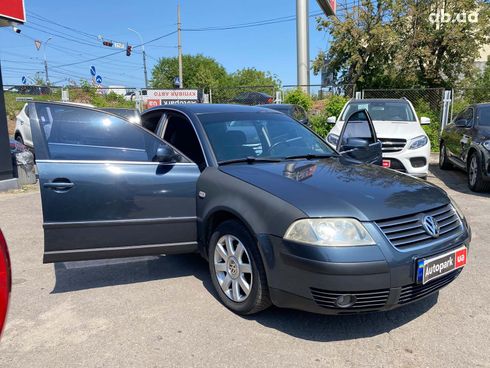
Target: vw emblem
x,y
431,226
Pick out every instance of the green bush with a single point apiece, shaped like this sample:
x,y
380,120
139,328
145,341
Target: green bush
x,y
319,124
334,105
298,97
433,129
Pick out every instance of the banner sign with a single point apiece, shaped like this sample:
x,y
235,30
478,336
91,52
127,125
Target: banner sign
x,y
12,10
156,97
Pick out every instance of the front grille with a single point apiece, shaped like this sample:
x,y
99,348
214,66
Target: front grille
x,y
392,144
413,292
407,231
364,299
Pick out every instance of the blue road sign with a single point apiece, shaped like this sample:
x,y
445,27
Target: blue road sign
x,y
24,80
92,71
98,79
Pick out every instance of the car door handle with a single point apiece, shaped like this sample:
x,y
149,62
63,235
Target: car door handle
x,y
59,185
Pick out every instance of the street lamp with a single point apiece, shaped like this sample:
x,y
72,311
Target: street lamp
x,y
144,55
45,60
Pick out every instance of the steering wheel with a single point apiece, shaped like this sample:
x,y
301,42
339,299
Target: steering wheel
x,y
281,143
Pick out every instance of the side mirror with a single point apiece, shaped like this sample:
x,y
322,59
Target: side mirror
x,y
165,154
354,143
331,120
424,121
461,122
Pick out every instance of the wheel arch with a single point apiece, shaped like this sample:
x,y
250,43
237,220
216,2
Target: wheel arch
x,y
217,217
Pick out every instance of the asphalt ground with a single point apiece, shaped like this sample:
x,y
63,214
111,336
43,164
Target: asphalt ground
x,y
163,312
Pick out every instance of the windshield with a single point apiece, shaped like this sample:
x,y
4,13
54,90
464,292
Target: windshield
x,y
235,136
382,110
484,116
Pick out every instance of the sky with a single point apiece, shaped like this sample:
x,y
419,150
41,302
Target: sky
x,y
75,25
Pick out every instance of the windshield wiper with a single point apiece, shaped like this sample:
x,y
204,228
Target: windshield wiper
x,y
308,156
249,160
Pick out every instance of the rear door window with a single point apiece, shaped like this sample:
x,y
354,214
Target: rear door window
x,y
484,116
78,133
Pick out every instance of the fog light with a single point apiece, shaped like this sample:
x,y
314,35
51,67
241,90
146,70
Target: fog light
x,y
345,301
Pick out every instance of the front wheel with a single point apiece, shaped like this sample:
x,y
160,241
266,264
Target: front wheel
x,y
475,179
444,163
237,270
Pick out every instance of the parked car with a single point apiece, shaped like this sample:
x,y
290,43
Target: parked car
x,y
406,146
295,111
253,98
465,144
23,124
133,115
5,280
292,223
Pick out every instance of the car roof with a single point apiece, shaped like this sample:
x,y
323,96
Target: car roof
x,y
211,108
483,104
379,100
278,105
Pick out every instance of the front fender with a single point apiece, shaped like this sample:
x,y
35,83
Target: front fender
x,y
260,211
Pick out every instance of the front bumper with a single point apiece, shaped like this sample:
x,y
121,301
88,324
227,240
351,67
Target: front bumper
x,y
379,277
406,156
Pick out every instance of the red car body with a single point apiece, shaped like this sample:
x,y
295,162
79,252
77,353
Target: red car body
x,y
5,280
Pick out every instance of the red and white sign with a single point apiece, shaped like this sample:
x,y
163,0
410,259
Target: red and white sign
x,y
460,258
12,11
172,94
156,97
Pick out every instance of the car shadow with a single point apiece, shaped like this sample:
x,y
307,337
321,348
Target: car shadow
x,y
326,328
84,275
454,179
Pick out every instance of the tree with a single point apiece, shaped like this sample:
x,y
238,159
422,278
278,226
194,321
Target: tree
x,y
199,72
253,77
405,43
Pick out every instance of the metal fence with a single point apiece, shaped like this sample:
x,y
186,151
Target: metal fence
x,y
428,101
257,95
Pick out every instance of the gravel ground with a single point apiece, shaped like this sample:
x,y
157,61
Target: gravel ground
x,y
162,311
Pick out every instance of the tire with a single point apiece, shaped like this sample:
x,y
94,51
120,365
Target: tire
x,y
238,266
475,178
444,163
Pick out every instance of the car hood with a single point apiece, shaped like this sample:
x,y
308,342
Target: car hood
x,y
390,129
334,187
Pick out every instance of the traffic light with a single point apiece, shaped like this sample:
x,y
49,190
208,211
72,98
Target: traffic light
x,y
107,43
128,50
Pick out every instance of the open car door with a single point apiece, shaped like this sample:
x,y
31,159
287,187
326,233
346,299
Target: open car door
x,y
358,140
110,188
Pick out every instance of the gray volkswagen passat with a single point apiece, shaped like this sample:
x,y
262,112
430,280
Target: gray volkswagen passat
x,y
280,216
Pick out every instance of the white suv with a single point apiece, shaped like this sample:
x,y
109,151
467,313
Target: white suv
x,y
406,147
23,124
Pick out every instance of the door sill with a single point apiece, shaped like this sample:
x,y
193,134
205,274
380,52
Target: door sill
x,y
119,252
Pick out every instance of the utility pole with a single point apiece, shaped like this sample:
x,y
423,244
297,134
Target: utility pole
x,y
179,40
303,44
46,60
144,55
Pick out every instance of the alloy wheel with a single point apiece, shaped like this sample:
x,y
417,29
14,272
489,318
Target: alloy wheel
x,y
473,170
233,268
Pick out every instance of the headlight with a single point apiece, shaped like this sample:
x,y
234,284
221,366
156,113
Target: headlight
x,y
486,144
457,209
333,139
329,232
419,142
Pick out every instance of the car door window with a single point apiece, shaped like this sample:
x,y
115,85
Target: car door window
x,y
180,133
468,116
79,133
